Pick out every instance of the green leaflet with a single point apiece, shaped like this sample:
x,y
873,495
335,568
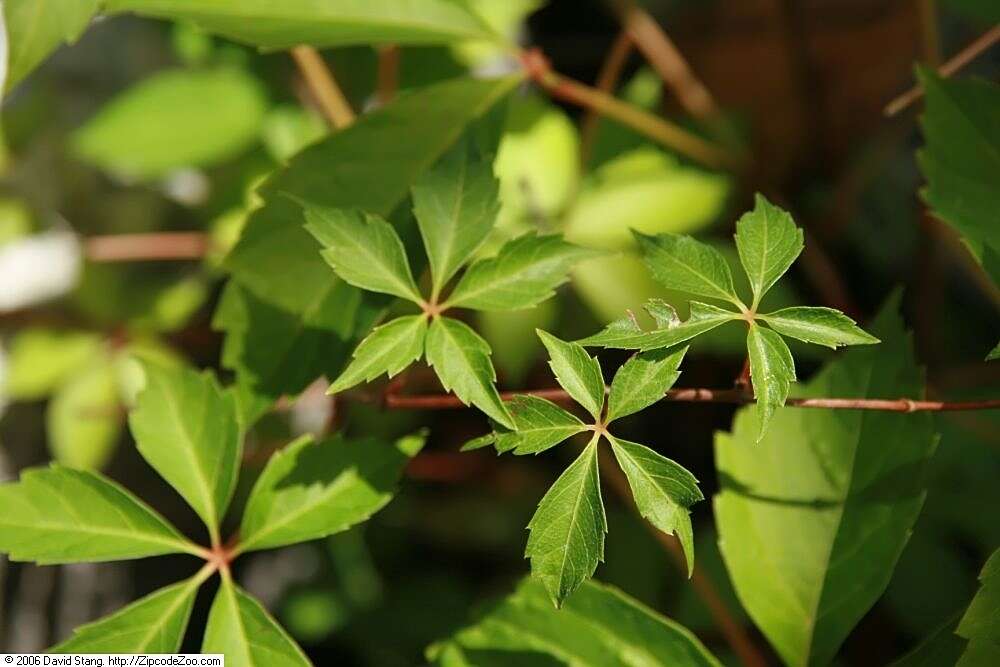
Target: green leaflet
x,y
577,372
539,425
154,624
163,123
824,326
812,519
981,623
663,491
35,28
685,264
363,249
567,531
642,381
456,205
58,515
768,243
240,628
598,626
628,335
324,24
524,273
994,353
186,428
772,371
388,349
310,490
461,359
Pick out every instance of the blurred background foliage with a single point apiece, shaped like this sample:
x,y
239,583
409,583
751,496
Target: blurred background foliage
x,y
146,126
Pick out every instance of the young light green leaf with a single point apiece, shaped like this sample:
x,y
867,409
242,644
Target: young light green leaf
x,y
84,419
981,622
461,359
824,326
329,23
388,349
241,629
479,443
456,205
642,381
626,333
540,424
683,263
768,243
58,515
663,491
160,125
39,360
598,626
772,371
363,249
812,520
524,273
310,490
35,28
186,428
577,372
567,531
154,624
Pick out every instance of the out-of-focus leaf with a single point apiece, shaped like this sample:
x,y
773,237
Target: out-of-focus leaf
x,y
612,139
186,428
577,372
241,629
772,372
539,425
566,541
35,28
15,218
39,360
174,119
329,23
461,359
511,335
981,622
642,381
505,18
983,10
663,491
768,243
598,626
310,490
288,129
59,515
813,518
154,624
84,418
387,350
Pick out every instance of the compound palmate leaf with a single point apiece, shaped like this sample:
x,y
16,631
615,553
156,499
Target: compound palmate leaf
x,y
313,489
567,531
241,629
388,349
57,515
461,359
154,624
279,25
813,518
598,626
187,429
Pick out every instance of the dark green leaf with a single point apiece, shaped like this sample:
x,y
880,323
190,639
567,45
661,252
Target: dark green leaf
x,y
941,647
685,264
577,372
461,359
567,530
311,490
642,381
58,515
524,273
981,622
813,518
772,371
768,243
540,424
824,326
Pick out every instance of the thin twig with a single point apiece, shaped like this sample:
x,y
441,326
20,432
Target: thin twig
x,y
669,134
953,65
388,73
666,59
607,82
733,631
146,247
727,396
323,86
